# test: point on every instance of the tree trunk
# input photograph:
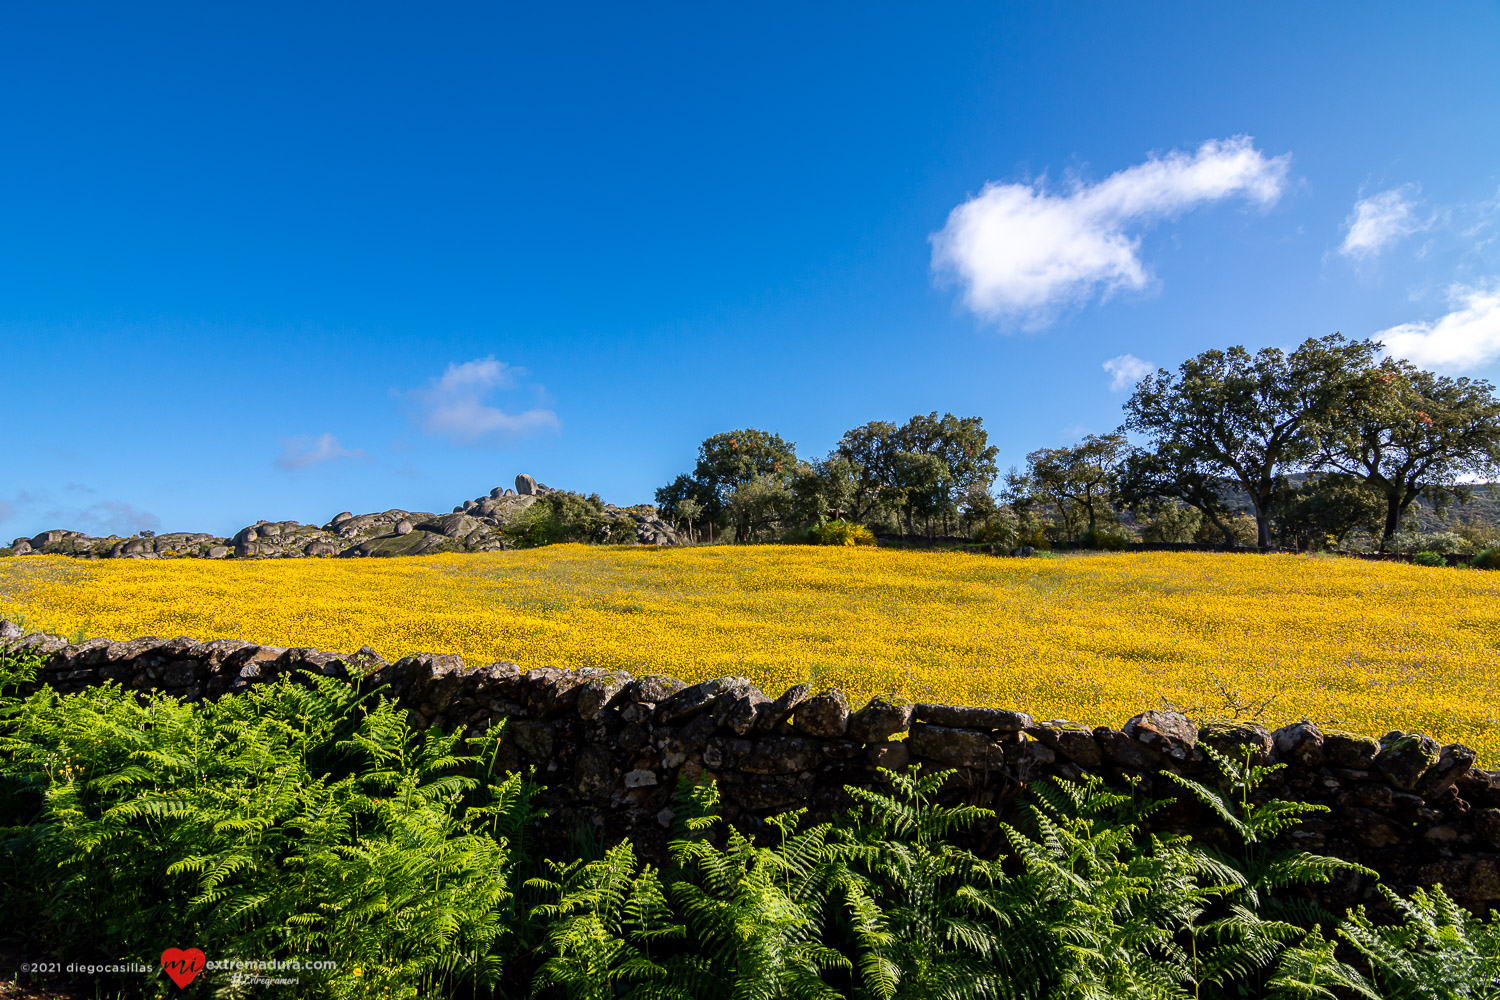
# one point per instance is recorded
(1392, 517)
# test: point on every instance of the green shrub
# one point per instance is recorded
(286, 822)
(998, 532)
(1106, 541)
(841, 533)
(1428, 559)
(1434, 541)
(1037, 539)
(1488, 559)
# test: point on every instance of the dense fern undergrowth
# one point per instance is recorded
(299, 821)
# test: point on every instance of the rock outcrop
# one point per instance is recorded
(473, 526)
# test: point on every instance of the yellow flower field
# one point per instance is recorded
(1367, 647)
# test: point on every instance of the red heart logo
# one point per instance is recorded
(182, 966)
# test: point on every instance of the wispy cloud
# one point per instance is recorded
(1022, 251)
(1381, 220)
(1466, 337)
(1126, 370)
(457, 405)
(105, 517)
(111, 517)
(302, 451)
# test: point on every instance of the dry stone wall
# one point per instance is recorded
(609, 747)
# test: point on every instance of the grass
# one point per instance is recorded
(1362, 646)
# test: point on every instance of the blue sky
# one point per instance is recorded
(266, 261)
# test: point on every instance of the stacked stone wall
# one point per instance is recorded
(609, 748)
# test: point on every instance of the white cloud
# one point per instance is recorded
(1380, 220)
(454, 405)
(1020, 250)
(1126, 371)
(6, 511)
(300, 452)
(1467, 337)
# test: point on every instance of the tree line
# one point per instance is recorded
(1303, 448)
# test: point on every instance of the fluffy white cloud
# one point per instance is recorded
(300, 452)
(455, 404)
(1380, 220)
(1467, 337)
(1019, 250)
(1126, 371)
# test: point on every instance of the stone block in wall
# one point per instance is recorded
(825, 714)
(880, 720)
(1072, 740)
(955, 747)
(1349, 750)
(738, 708)
(213, 653)
(1479, 877)
(778, 755)
(780, 710)
(598, 691)
(127, 652)
(1480, 787)
(726, 753)
(1374, 830)
(651, 689)
(594, 773)
(972, 717)
(1404, 758)
(39, 644)
(1126, 753)
(765, 794)
(532, 737)
(1028, 759)
(1453, 762)
(548, 691)
(1237, 740)
(1300, 744)
(1487, 825)
(314, 661)
(1171, 734)
(696, 698)
(88, 653)
(894, 756)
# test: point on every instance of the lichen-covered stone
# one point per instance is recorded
(955, 747)
(879, 720)
(1300, 743)
(1453, 762)
(1127, 753)
(596, 692)
(1074, 741)
(1349, 750)
(825, 714)
(972, 717)
(1171, 734)
(651, 689)
(780, 755)
(739, 707)
(697, 698)
(1238, 741)
(1404, 758)
(780, 710)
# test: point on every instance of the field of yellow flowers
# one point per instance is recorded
(1366, 647)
